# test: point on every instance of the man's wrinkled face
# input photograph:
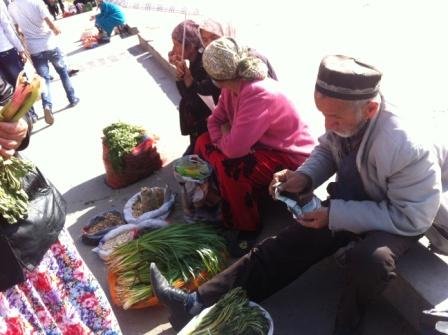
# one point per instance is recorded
(341, 117)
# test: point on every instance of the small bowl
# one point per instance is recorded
(100, 225)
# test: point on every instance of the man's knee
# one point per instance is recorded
(372, 263)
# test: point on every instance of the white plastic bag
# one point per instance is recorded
(160, 213)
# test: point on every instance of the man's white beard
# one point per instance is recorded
(350, 133)
(344, 135)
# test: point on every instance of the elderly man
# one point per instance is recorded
(386, 195)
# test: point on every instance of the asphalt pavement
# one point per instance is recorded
(120, 81)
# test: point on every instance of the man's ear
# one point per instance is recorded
(371, 109)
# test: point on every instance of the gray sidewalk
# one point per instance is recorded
(122, 81)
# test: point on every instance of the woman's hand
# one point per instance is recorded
(11, 136)
(172, 57)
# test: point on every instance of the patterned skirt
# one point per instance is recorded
(60, 297)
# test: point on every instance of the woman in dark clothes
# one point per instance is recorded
(191, 80)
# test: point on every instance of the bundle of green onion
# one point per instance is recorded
(13, 198)
(121, 138)
(232, 314)
(181, 251)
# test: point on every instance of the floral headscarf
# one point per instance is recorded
(221, 29)
(223, 59)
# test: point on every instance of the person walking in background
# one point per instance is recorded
(12, 53)
(52, 8)
(33, 20)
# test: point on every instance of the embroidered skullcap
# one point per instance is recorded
(347, 78)
(191, 33)
(223, 59)
(219, 28)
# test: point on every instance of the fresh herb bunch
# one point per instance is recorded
(233, 314)
(121, 138)
(182, 252)
(13, 199)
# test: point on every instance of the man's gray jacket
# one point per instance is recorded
(401, 174)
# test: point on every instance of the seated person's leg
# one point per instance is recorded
(370, 266)
(241, 180)
(274, 264)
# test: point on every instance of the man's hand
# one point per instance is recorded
(11, 135)
(317, 219)
(292, 182)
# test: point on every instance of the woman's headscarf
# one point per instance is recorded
(223, 59)
(221, 29)
(191, 34)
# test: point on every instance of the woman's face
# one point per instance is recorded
(207, 37)
(189, 51)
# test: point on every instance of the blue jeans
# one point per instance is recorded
(10, 65)
(55, 57)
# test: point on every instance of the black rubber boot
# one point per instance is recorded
(174, 299)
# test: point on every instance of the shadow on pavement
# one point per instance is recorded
(160, 75)
(94, 197)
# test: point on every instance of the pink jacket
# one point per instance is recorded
(260, 116)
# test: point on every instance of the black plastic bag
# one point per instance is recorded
(31, 237)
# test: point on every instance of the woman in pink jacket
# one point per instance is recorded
(254, 131)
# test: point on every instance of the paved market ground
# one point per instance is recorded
(122, 82)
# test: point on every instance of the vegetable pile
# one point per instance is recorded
(13, 199)
(108, 220)
(183, 252)
(233, 314)
(150, 198)
(121, 138)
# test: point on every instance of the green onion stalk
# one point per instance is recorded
(233, 314)
(13, 198)
(181, 251)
